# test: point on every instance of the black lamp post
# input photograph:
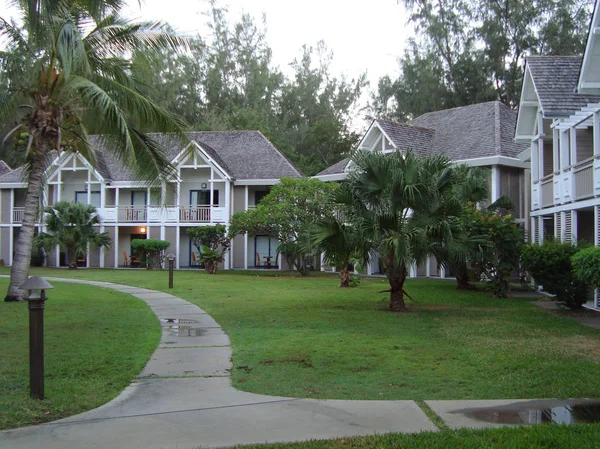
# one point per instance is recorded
(170, 258)
(36, 296)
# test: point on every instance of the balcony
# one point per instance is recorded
(584, 179)
(18, 214)
(166, 214)
(547, 185)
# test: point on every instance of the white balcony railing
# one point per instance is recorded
(195, 214)
(584, 180)
(132, 214)
(547, 192)
(18, 214)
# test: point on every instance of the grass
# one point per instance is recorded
(305, 337)
(532, 437)
(96, 342)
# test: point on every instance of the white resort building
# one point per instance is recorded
(559, 119)
(222, 173)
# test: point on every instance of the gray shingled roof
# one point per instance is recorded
(248, 154)
(467, 132)
(4, 168)
(242, 154)
(338, 167)
(16, 175)
(405, 137)
(478, 130)
(555, 79)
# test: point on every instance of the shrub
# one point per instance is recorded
(212, 242)
(150, 251)
(550, 265)
(586, 266)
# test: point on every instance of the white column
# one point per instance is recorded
(101, 261)
(12, 207)
(412, 272)
(596, 218)
(495, 190)
(88, 186)
(59, 187)
(428, 267)
(212, 193)
(535, 154)
(102, 195)
(573, 145)
(116, 240)
(11, 245)
(227, 201)
(177, 239)
(246, 234)
(596, 131)
(442, 272)
(322, 255)
(56, 255)
(573, 226)
(540, 229)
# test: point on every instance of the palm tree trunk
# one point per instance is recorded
(462, 277)
(345, 277)
(396, 277)
(19, 271)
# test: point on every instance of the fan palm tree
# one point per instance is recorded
(340, 243)
(71, 226)
(404, 205)
(67, 70)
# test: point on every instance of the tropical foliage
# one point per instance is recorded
(586, 266)
(212, 243)
(403, 205)
(66, 71)
(150, 251)
(500, 250)
(289, 212)
(74, 229)
(550, 266)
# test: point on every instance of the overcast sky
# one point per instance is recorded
(365, 35)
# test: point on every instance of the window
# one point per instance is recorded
(138, 198)
(259, 195)
(202, 197)
(81, 198)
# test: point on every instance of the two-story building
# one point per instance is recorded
(479, 135)
(559, 118)
(217, 174)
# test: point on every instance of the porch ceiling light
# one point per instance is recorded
(143, 230)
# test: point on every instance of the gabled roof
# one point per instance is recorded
(468, 132)
(338, 167)
(555, 79)
(405, 136)
(4, 168)
(247, 154)
(16, 175)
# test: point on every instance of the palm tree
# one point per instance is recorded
(340, 243)
(404, 205)
(71, 226)
(67, 70)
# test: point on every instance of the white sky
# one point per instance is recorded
(364, 36)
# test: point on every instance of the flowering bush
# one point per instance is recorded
(499, 257)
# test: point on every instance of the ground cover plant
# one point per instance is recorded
(305, 337)
(96, 342)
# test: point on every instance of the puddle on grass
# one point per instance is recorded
(186, 331)
(539, 412)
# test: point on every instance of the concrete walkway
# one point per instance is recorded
(184, 399)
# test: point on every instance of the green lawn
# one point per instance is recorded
(306, 337)
(533, 437)
(96, 341)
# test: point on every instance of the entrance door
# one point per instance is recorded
(265, 246)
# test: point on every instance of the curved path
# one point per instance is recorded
(183, 398)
